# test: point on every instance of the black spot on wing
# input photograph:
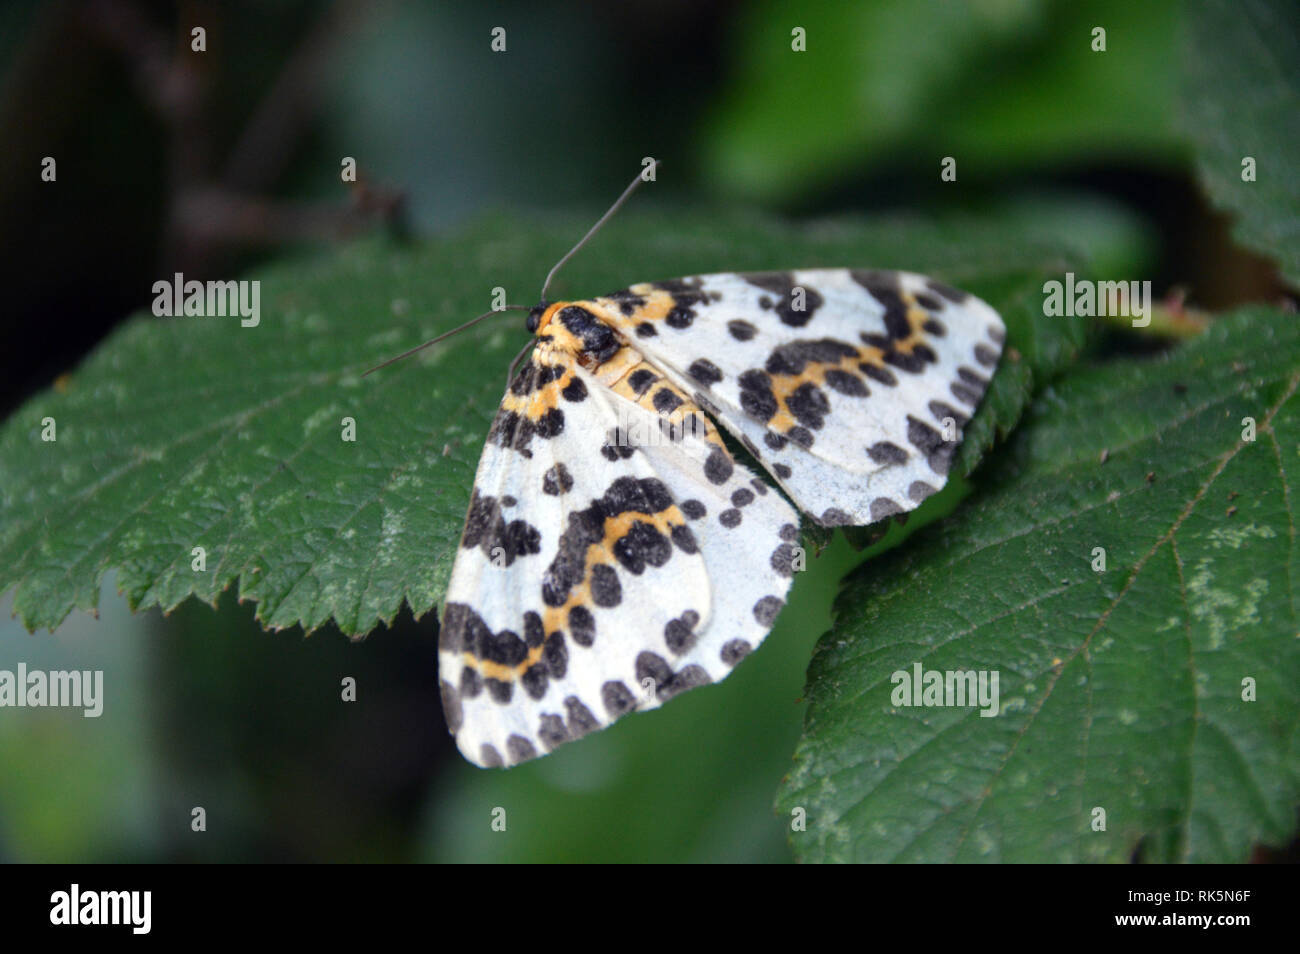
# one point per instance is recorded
(883, 507)
(718, 466)
(938, 452)
(964, 393)
(884, 287)
(941, 411)
(687, 678)
(641, 546)
(887, 453)
(834, 517)
(680, 317)
(556, 655)
(535, 680)
(515, 431)
(693, 509)
(582, 626)
(766, 610)
(878, 374)
(734, 650)
(557, 480)
(534, 633)
(654, 667)
(756, 396)
(534, 376)
(685, 539)
(486, 529)
(580, 719)
(809, 405)
(919, 491)
(606, 590)
(465, 631)
(551, 732)
(741, 330)
(845, 383)
(640, 380)
(782, 559)
(801, 436)
(793, 356)
(704, 371)
(665, 401)
(617, 698)
(679, 633)
(971, 388)
(795, 304)
(575, 390)
(667, 683)
(520, 749)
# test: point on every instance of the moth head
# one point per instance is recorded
(538, 316)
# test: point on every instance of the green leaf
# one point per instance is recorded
(1120, 690)
(1242, 99)
(180, 433)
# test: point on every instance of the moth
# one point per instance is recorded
(615, 553)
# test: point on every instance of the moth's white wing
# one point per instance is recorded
(849, 386)
(582, 590)
(747, 534)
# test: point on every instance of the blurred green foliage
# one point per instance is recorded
(1006, 85)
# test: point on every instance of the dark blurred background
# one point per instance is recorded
(212, 162)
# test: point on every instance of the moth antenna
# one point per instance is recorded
(510, 375)
(640, 177)
(447, 334)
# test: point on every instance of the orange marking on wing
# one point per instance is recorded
(537, 402)
(557, 617)
(679, 414)
(783, 385)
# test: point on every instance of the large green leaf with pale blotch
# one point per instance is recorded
(179, 433)
(1162, 689)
